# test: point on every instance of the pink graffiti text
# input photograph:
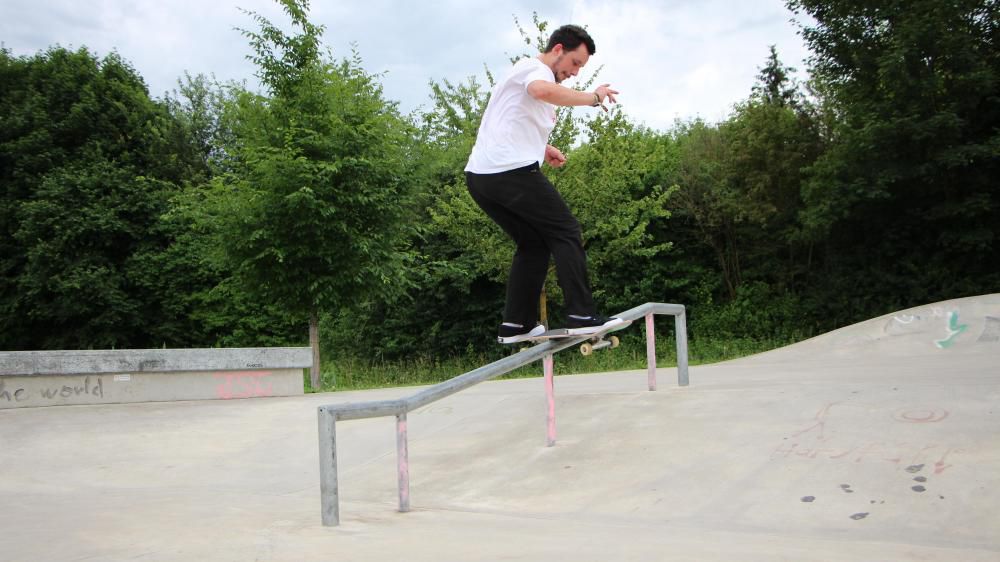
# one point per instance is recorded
(243, 384)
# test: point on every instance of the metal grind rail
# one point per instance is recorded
(330, 414)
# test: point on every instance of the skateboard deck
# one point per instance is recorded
(594, 341)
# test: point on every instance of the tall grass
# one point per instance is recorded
(353, 373)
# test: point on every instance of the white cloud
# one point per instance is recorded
(671, 59)
(686, 59)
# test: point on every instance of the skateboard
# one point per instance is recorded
(595, 341)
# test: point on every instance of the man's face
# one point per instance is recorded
(569, 63)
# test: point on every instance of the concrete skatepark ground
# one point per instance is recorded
(879, 441)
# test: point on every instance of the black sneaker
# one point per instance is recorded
(582, 325)
(513, 333)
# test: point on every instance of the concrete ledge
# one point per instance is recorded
(29, 363)
(58, 378)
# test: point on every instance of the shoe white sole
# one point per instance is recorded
(535, 332)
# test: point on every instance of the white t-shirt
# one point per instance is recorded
(515, 126)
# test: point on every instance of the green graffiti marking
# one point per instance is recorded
(954, 329)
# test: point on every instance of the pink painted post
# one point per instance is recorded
(550, 400)
(651, 351)
(403, 463)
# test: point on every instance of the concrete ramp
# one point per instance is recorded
(966, 326)
(824, 451)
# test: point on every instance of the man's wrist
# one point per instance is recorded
(597, 100)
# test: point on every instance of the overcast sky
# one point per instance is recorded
(671, 59)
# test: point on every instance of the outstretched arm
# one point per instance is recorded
(553, 93)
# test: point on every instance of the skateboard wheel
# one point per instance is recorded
(586, 349)
(614, 341)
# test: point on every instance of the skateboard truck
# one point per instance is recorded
(598, 343)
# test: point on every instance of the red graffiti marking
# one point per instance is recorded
(892, 453)
(920, 415)
(940, 465)
(814, 442)
(820, 425)
(243, 384)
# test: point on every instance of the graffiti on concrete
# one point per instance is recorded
(816, 442)
(82, 386)
(12, 394)
(86, 389)
(243, 384)
(954, 329)
(943, 327)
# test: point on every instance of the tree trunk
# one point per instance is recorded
(722, 255)
(543, 301)
(314, 372)
(544, 316)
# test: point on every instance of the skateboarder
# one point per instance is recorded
(504, 178)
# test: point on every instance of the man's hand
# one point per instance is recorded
(605, 93)
(554, 157)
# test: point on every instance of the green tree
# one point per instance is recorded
(310, 212)
(441, 272)
(904, 199)
(706, 198)
(614, 186)
(739, 196)
(198, 107)
(88, 163)
(773, 137)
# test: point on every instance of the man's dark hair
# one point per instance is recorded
(570, 37)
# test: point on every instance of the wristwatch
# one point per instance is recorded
(597, 100)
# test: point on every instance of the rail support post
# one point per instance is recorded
(550, 401)
(403, 463)
(329, 494)
(680, 333)
(651, 351)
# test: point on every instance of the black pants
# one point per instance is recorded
(530, 210)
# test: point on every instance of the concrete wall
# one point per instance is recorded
(57, 378)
